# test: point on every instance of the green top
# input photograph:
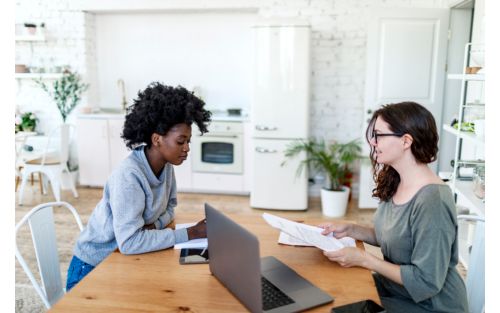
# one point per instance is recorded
(421, 237)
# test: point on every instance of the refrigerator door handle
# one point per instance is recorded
(264, 150)
(266, 128)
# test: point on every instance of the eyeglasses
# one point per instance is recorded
(376, 135)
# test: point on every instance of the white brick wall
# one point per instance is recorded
(338, 53)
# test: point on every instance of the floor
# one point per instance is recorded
(66, 230)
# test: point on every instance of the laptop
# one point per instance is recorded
(262, 285)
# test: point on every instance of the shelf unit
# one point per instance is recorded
(40, 37)
(469, 136)
(467, 77)
(37, 75)
(464, 189)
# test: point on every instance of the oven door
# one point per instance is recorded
(217, 154)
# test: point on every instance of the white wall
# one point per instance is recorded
(209, 50)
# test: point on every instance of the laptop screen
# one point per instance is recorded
(234, 258)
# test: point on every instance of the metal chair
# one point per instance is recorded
(475, 272)
(51, 165)
(41, 222)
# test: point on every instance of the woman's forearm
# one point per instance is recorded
(365, 234)
(384, 268)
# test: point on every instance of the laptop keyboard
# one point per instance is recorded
(272, 297)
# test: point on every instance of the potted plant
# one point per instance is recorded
(26, 122)
(66, 92)
(335, 161)
(31, 28)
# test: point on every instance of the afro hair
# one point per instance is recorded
(157, 109)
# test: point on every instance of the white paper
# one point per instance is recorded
(307, 234)
(199, 243)
(286, 239)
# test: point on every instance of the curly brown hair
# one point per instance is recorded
(404, 118)
(158, 108)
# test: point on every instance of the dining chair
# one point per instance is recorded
(52, 165)
(41, 223)
(21, 139)
(475, 272)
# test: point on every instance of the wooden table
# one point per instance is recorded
(156, 282)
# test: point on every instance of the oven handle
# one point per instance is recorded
(264, 150)
(266, 128)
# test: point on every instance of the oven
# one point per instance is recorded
(220, 150)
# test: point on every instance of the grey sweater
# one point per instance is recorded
(421, 237)
(133, 197)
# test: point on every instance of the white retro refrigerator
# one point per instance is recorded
(279, 113)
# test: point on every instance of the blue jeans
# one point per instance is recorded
(77, 271)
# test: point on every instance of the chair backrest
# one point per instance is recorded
(475, 272)
(62, 134)
(41, 222)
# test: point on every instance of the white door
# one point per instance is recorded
(274, 186)
(281, 82)
(406, 56)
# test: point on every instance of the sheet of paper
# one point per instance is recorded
(286, 239)
(195, 243)
(307, 233)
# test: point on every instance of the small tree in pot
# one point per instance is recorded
(335, 161)
(66, 91)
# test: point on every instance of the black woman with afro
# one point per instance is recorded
(140, 195)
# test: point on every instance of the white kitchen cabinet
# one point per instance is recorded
(99, 146)
(183, 175)
(218, 183)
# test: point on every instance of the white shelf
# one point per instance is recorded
(468, 199)
(30, 38)
(477, 77)
(37, 75)
(464, 135)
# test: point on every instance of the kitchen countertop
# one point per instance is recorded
(117, 114)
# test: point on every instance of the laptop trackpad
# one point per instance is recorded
(282, 276)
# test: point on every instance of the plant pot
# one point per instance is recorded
(31, 30)
(334, 203)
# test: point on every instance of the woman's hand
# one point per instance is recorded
(348, 257)
(198, 231)
(149, 226)
(339, 230)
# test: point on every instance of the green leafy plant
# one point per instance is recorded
(26, 122)
(334, 159)
(66, 92)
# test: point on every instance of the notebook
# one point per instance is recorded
(260, 284)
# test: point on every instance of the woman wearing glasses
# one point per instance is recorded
(415, 224)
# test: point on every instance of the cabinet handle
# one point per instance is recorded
(264, 150)
(265, 128)
(220, 136)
